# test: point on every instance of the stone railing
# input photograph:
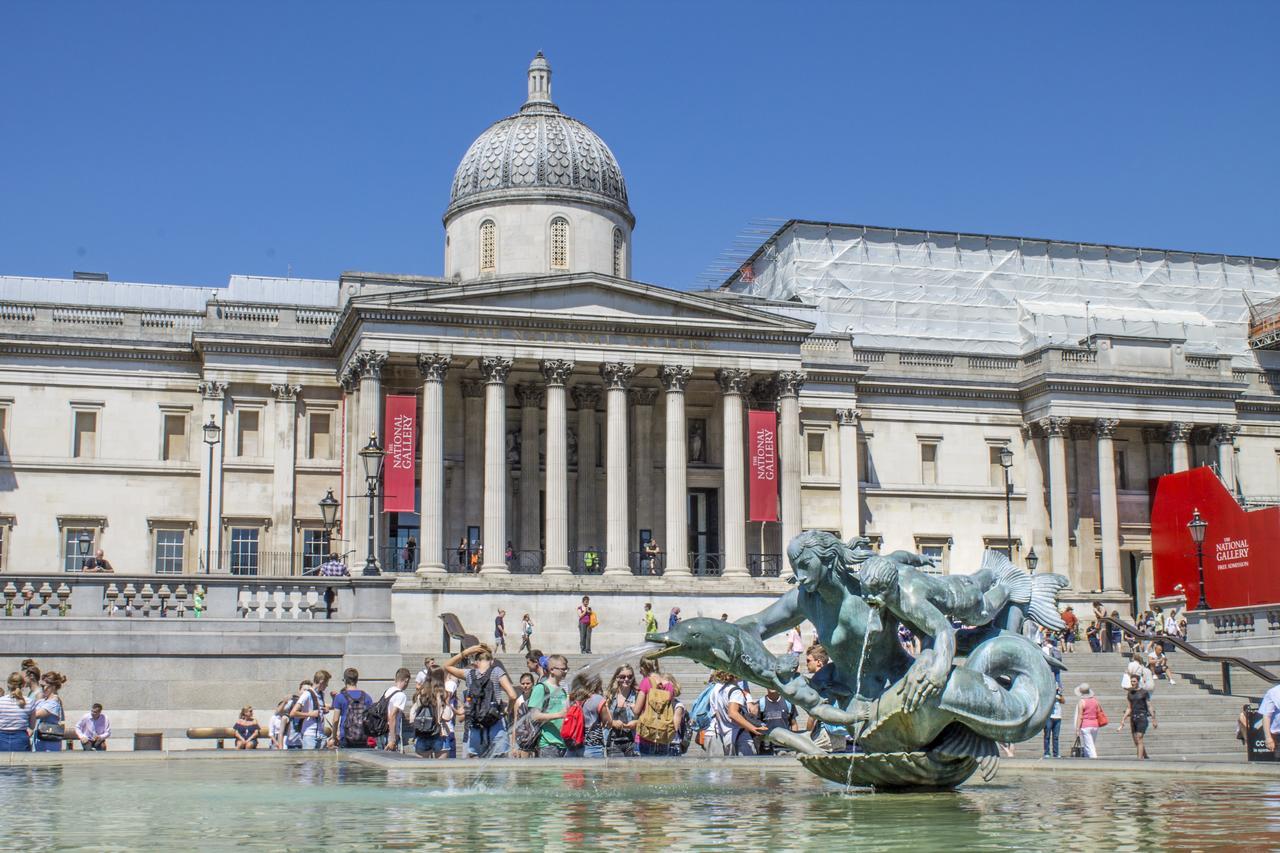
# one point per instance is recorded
(210, 597)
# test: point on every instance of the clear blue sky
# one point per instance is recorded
(182, 142)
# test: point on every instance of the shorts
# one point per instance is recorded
(1139, 725)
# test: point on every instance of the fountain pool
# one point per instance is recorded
(333, 802)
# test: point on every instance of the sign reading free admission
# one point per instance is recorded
(1241, 549)
(762, 452)
(401, 443)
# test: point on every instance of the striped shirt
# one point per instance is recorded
(13, 717)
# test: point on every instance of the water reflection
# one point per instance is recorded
(220, 804)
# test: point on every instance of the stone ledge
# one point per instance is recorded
(590, 584)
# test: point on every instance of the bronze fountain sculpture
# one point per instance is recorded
(918, 723)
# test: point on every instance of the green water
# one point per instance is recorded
(338, 805)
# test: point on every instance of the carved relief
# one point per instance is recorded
(643, 396)
(1055, 425)
(789, 382)
(369, 363)
(1180, 430)
(472, 388)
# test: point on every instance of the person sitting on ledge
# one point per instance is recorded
(97, 563)
(334, 568)
(246, 729)
(93, 729)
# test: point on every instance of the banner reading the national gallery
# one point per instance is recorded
(762, 450)
(401, 440)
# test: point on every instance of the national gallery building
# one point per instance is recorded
(546, 416)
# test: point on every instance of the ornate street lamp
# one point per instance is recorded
(1197, 527)
(329, 517)
(1032, 560)
(83, 543)
(372, 456)
(1006, 462)
(212, 435)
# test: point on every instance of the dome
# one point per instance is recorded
(538, 153)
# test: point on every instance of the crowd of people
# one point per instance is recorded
(32, 717)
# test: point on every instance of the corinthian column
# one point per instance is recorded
(283, 469)
(472, 453)
(617, 377)
(369, 366)
(732, 383)
(642, 400)
(1108, 513)
(674, 378)
(431, 551)
(789, 383)
(1224, 437)
(1179, 432)
(587, 398)
(1035, 491)
(850, 524)
(1055, 430)
(495, 370)
(530, 398)
(556, 373)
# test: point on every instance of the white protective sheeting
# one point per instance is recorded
(1005, 295)
(169, 297)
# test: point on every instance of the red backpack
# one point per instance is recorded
(574, 728)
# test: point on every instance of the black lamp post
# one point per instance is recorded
(1006, 462)
(329, 515)
(1032, 560)
(212, 435)
(1197, 527)
(372, 455)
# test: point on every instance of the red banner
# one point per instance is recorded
(1239, 547)
(400, 441)
(762, 448)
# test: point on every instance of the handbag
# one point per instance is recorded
(1077, 751)
(1103, 721)
(49, 731)
(595, 620)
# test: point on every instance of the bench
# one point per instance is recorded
(453, 630)
(221, 733)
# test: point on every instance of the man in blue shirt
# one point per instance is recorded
(1270, 711)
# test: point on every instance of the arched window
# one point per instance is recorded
(619, 263)
(559, 243)
(488, 246)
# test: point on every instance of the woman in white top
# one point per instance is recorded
(795, 641)
(15, 736)
(732, 731)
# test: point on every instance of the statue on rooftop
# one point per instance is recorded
(925, 722)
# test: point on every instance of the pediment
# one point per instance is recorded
(595, 300)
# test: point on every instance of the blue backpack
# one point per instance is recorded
(700, 713)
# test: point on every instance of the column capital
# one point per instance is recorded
(212, 390)
(349, 378)
(1180, 430)
(286, 393)
(472, 388)
(732, 380)
(369, 364)
(1225, 433)
(586, 396)
(433, 366)
(1030, 431)
(530, 395)
(1105, 427)
(495, 369)
(847, 417)
(556, 371)
(675, 377)
(1054, 425)
(617, 375)
(789, 382)
(643, 396)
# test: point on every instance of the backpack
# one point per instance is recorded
(656, 723)
(296, 723)
(376, 719)
(483, 709)
(353, 725)
(574, 728)
(425, 722)
(528, 731)
(700, 713)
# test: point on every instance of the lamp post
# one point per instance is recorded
(1197, 527)
(372, 456)
(329, 516)
(1006, 462)
(1032, 560)
(212, 435)
(83, 543)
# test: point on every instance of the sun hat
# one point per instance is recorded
(1083, 690)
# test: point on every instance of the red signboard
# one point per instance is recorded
(762, 448)
(1241, 548)
(400, 431)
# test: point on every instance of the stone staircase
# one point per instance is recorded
(1197, 720)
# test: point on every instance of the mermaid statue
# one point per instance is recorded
(925, 722)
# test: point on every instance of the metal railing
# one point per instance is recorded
(764, 565)
(1227, 661)
(706, 564)
(458, 560)
(644, 563)
(395, 559)
(588, 562)
(524, 562)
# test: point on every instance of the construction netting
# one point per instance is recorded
(1006, 295)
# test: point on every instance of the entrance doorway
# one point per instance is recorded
(704, 531)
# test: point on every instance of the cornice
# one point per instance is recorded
(116, 350)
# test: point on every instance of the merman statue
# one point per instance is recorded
(928, 722)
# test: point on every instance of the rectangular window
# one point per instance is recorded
(866, 464)
(1122, 469)
(71, 558)
(170, 551)
(244, 550)
(4, 430)
(174, 441)
(817, 455)
(85, 443)
(315, 549)
(247, 421)
(319, 436)
(995, 469)
(936, 553)
(928, 463)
